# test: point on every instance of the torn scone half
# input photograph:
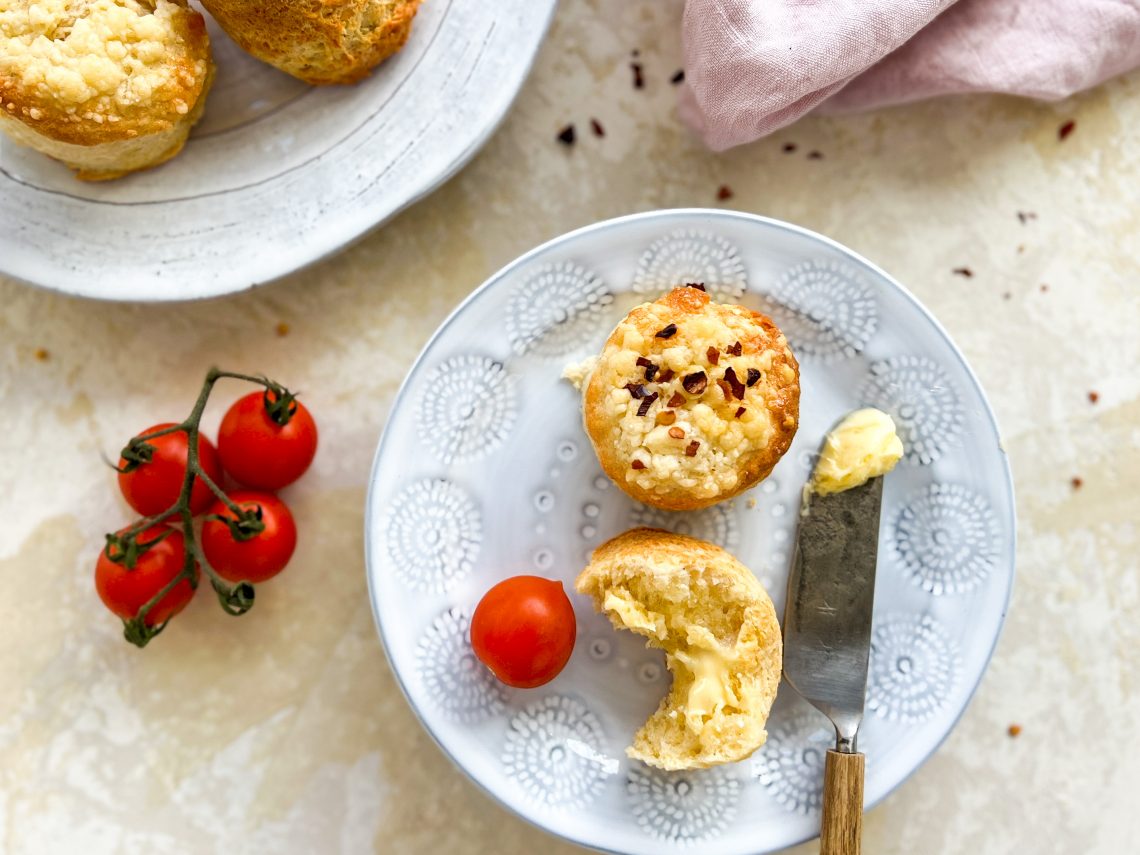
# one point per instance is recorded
(721, 638)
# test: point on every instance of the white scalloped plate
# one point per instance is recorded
(484, 472)
(277, 174)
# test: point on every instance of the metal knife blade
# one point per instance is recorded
(831, 593)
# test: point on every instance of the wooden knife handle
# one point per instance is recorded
(841, 831)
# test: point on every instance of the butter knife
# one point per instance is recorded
(827, 640)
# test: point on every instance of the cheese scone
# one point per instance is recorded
(106, 86)
(691, 402)
(318, 41)
(720, 635)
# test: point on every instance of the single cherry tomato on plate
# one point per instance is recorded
(153, 482)
(267, 441)
(523, 630)
(125, 590)
(269, 533)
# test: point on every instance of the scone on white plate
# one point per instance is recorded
(722, 643)
(318, 41)
(106, 86)
(691, 402)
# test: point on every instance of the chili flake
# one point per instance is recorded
(636, 390)
(638, 77)
(566, 135)
(734, 381)
(636, 464)
(646, 403)
(650, 368)
(1094, 397)
(677, 400)
(696, 383)
(678, 77)
(963, 271)
(713, 354)
(741, 411)
(665, 376)
(1066, 129)
(596, 126)
(668, 332)
(736, 349)
(691, 448)
(754, 376)
(700, 286)
(724, 192)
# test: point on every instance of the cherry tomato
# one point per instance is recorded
(152, 487)
(261, 557)
(125, 590)
(261, 453)
(523, 630)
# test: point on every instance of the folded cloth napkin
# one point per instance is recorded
(754, 66)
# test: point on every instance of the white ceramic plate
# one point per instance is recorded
(484, 472)
(277, 174)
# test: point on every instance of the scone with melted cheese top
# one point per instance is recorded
(691, 402)
(106, 86)
(720, 635)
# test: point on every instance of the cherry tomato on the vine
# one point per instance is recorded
(260, 557)
(125, 590)
(153, 486)
(258, 451)
(523, 630)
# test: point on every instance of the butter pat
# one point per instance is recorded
(861, 447)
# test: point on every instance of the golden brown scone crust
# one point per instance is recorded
(718, 628)
(740, 431)
(318, 41)
(106, 86)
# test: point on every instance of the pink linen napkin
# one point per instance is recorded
(754, 66)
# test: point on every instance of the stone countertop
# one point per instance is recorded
(285, 732)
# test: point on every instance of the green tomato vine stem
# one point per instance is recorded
(124, 548)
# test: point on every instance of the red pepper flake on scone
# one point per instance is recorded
(691, 402)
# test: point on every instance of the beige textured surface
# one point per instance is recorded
(284, 731)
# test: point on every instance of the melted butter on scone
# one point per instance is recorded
(711, 691)
(863, 446)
